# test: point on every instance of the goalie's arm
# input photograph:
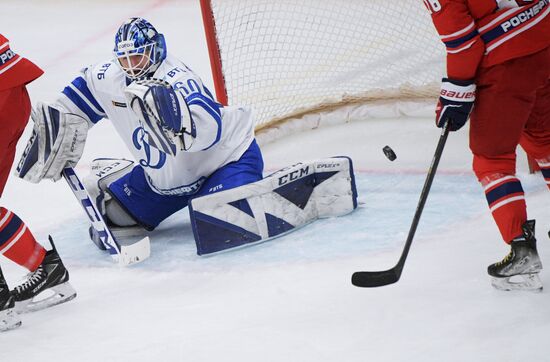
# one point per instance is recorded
(78, 98)
(209, 128)
(175, 120)
(60, 130)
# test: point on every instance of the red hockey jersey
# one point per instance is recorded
(479, 33)
(14, 69)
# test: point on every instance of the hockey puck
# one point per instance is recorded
(389, 153)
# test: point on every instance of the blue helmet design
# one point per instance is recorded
(139, 47)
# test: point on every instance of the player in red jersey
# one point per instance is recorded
(16, 241)
(498, 74)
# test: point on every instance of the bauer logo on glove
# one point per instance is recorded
(163, 113)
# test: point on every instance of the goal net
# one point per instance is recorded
(286, 59)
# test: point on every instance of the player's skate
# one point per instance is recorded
(47, 286)
(8, 318)
(519, 270)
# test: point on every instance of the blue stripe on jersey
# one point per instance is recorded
(458, 42)
(209, 106)
(10, 229)
(81, 103)
(503, 190)
(82, 86)
(492, 34)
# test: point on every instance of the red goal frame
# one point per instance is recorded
(214, 51)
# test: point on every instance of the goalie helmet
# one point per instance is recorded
(139, 48)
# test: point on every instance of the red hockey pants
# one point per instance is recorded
(512, 107)
(15, 108)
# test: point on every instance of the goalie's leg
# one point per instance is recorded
(47, 286)
(520, 268)
(105, 171)
(148, 208)
(248, 169)
(281, 202)
(134, 194)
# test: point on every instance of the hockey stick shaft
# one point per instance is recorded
(380, 278)
(125, 255)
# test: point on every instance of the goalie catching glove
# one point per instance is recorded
(57, 141)
(163, 113)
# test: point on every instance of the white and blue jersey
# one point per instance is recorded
(223, 134)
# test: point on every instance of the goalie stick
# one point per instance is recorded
(370, 279)
(123, 254)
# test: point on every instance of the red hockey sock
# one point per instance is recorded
(17, 242)
(507, 203)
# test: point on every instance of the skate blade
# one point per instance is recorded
(527, 282)
(48, 298)
(9, 320)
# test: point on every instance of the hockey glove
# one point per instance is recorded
(163, 113)
(57, 141)
(456, 101)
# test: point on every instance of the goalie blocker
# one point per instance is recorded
(281, 202)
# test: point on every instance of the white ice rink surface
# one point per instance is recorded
(289, 299)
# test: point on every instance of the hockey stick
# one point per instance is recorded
(123, 254)
(370, 279)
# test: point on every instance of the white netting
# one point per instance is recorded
(285, 58)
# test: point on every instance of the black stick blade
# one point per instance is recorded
(375, 279)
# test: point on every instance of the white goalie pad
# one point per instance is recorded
(123, 254)
(57, 141)
(103, 172)
(281, 202)
(163, 113)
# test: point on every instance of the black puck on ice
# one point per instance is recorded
(389, 153)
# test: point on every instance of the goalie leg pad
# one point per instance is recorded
(57, 141)
(281, 202)
(105, 171)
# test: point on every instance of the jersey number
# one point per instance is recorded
(433, 5)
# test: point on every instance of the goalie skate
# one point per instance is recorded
(520, 268)
(8, 317)
(47, 286)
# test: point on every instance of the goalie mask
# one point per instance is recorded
(139, 48)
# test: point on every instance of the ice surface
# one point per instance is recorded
(289, 299)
